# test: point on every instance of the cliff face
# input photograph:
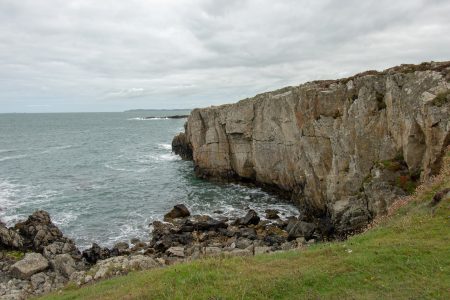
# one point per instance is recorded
(343, 149)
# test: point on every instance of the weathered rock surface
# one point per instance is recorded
(31, 264)
(9, 238)
(178, 211)
(343, 149)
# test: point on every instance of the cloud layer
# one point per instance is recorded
(113, 55)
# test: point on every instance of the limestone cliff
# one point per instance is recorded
(343, 149)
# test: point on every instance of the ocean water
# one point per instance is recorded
(104, 177)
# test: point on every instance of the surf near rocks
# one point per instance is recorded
(36, 257)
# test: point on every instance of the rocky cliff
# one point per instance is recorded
(341, 149)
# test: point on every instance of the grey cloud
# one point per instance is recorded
(115, 55)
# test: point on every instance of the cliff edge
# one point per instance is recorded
(342, 150)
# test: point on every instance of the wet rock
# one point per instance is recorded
(134, 241)
(250, 218)
(205, 223)
(120, 248)
(297, 229)
(95, 253)
(178, 211)
(181, 147)
(272, 214)
(31, 264)
(139, 246)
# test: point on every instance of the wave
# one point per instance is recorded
(165, 146)
(12, 157)
(123, 169)
(7, 150)
(147, 119)
(54, 148)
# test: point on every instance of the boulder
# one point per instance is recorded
(178, 211)
(251, 218)
(38, 231)
(272, 214)
(120, 248)
(64, 264)
(298, 229)
(10, 238)
(64, 246)
(31, 264)
(95, 253)
(176, 251)
(204, 223)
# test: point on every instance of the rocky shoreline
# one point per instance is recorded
(36, 258)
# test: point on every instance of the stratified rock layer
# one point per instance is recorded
(342, 149)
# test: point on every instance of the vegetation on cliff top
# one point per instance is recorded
(404, 256)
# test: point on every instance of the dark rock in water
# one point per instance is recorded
(181, 147)
(170, 117)
(272, 214)
(297, 229)
(250, 218)
(10, 239)
(95, 253)
(178, 211)
(204, 223)
(135, 241)
(120, 248)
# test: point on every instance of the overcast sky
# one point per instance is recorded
(113, 55)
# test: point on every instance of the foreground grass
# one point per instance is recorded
(407, 256)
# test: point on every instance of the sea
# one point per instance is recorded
(104, 177)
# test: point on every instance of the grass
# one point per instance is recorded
(13, 255)
(405, 256)
(441, 99)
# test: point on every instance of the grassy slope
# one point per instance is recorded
(406, 256)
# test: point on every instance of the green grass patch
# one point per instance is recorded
(405, 257)
(14, 255)
(441, 99)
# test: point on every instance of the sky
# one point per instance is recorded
(114, 55)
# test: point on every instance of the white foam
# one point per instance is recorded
(165, 146)
(64, 218)
(165, 157)
(147, 119)
(124, 170)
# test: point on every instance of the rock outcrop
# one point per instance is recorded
(343, 150)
